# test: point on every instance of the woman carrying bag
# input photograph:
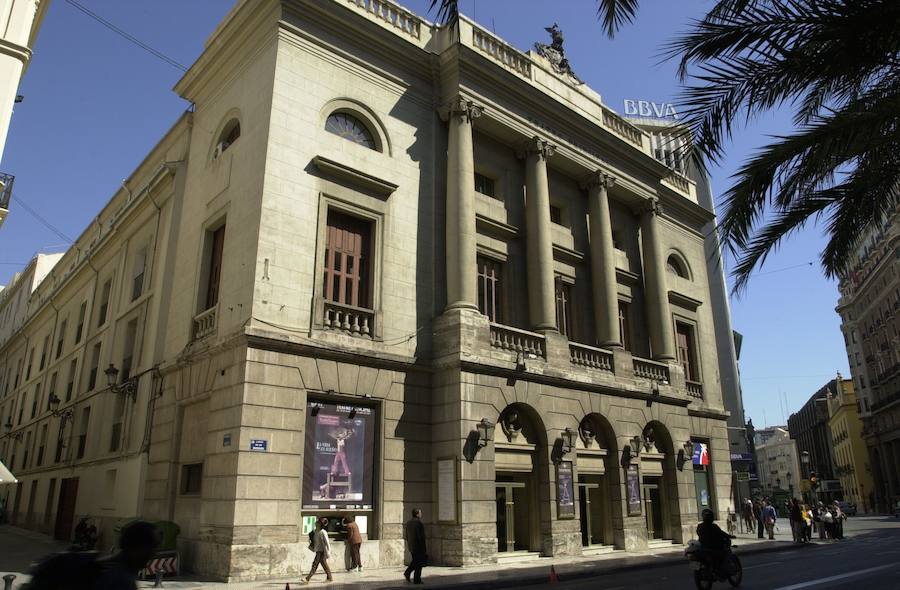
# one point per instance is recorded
(318, 542)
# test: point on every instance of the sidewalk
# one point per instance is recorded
(491, 576)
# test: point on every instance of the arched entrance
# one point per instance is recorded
(598, 482)
(518, 453)
(659, 489)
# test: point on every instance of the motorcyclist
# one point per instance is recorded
(713, 540)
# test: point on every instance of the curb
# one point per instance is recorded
(533, 578)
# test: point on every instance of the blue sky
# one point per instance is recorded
(95, 104)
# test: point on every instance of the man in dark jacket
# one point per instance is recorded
(415, 541)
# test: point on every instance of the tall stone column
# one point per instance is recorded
(539, 242)
(659, 317)
(603, 262)
(461, 262)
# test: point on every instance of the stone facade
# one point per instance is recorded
(869, 307)
(560, 425)
(851, 459)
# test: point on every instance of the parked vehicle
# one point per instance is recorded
(705, 575)
(848, 508)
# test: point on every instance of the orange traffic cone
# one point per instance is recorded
(553, 577)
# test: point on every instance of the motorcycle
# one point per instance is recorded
(705, 575)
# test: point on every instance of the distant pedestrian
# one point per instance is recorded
(796, 519)
(769, 517)
(415, 541)
(820, 524)
(758, 514)
(828, 522)
(806, 515)
(320, 544)
(354, 541)
(747, 514)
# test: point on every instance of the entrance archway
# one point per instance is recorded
(518, 454)
(658, 483)
(598, 482)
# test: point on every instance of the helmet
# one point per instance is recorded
(707, 515)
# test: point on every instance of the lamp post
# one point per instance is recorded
(17, 436)
(63, 415)
(127, 387)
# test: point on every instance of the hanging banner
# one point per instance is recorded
(701, 454)
(633, 489)
(565, 490)
(339, 457)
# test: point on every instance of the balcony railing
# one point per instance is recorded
(6, 187)
(392, 14)
(588, 356)
(516, 340)
(652, 370)
(205, 323)
(356, 321)
(506, 54)
(622, 128)
(694, 389)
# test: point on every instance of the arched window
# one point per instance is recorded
(351, 128)
(230, 134)
(677, 267)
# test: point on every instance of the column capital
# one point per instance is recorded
(598, 179)
(652, 206)
(461, 107)
(540, 147)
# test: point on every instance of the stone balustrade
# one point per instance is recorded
(588, 356)
(694, 389)
(681, 184)
(392, 14)
(647, 369)
(516, 340)
(501, 52)
(356, 321)
(205, 323)
(622, 128)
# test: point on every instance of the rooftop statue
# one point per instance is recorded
(555, 53)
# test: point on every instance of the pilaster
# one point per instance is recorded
(539, 247)
(662, 336)
(603, 261)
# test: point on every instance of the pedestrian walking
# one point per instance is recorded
(839, 517)
(354, 541)
(769, 517)
(796, 519)
(806, 514)
(415, 541)
(828, 522)
(758, 516)
(747, 513)
(320, 544)
(820, 524)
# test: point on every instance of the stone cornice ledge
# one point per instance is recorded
(23, 54)
(354, 176)
(709, 413)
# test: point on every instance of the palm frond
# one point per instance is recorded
(447, 10)
(616, 13)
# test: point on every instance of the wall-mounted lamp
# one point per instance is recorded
(485, 432)
(13, 435)
(64, 415)
(635, 443)
(568, 440)
(689, 448)
(127, 387)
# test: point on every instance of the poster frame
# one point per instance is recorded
(454, 461)
(633, 474)
(565, 511)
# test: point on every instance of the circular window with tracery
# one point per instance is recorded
(350, 128)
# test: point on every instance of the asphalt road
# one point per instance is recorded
(867, 559)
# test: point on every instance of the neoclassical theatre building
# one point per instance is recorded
(406, 265)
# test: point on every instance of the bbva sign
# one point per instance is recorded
(646, 108)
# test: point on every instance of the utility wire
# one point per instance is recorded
(128, 36)
(43, 221)
(759, 274)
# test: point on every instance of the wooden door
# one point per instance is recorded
(65, 509)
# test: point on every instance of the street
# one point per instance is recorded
(868, 557)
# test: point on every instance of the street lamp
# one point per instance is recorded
(13, 435)
(568, 440)
(64, 415)
(127, 387)
(485, 432)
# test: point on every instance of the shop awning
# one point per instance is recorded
(6, 475)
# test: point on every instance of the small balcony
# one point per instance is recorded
(205, 323)
(647, 369)
(590, 357)
(694, 389)
(355, 321)
(518, 341)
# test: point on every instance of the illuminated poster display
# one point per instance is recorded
(339, 455)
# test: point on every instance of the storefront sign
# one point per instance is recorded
(741, 457)
(633, 487)
(446, 470)
(339, 458)
(701, 454)
(647, 108)
(259, 444)
(565, 498)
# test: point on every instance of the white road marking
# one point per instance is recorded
(750, 567)
(835, 578)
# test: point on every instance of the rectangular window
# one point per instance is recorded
(95, 365)
(27, 447)
(137, 281)
(490, 288)
(684, 336)
(217, 244)
(82, 433)
(21, 408)
(30, 362)
(564, 308)
(44, 352)
(42, 444)
(36, 401)
(118, 412)
(484, 185)
(625, 325)
(555, 215)
(80, 330)
(191, 478)
(62, 338)
(347, 260)
(128, 351)
(104, 302)
(51, 390)
(70, 386)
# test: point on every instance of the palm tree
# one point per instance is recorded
(836, 64)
